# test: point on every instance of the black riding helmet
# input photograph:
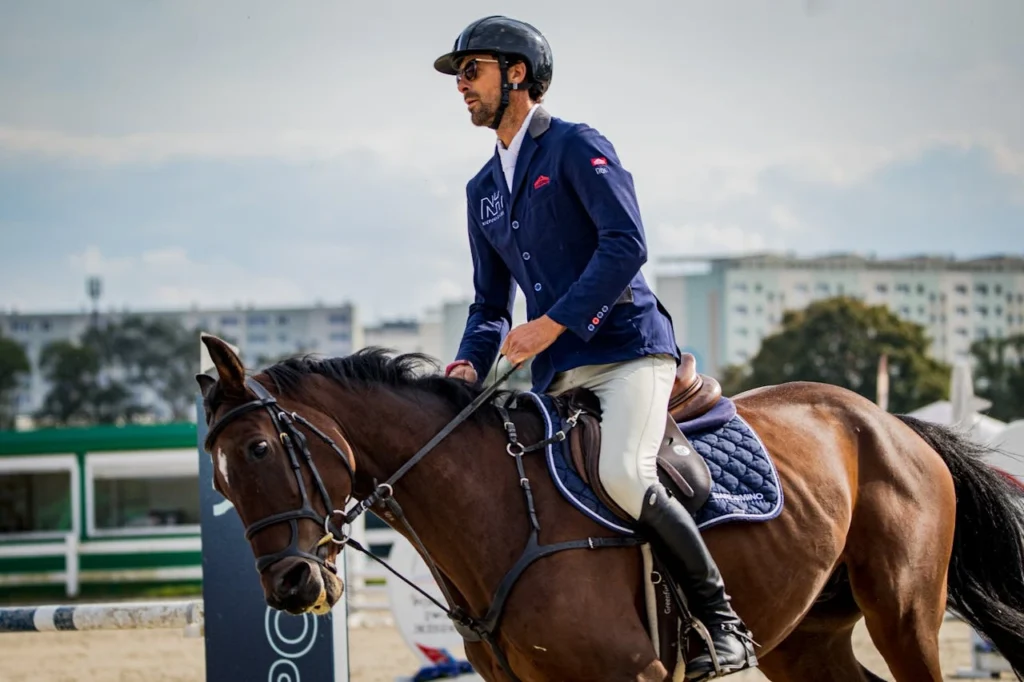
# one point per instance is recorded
(509, 40)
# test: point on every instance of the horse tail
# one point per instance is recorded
(986, 570)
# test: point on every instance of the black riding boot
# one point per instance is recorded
(678, 542)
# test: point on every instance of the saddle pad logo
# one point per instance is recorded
(491, 208)
(541, 181)
(599, 161)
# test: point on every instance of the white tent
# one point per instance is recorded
(962, 412)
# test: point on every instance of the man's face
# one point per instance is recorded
(479, 82)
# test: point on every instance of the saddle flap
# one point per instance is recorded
(680, 469)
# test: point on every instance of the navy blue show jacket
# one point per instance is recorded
(570, 235)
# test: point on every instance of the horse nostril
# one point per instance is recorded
(292, 579)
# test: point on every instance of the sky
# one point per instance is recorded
(269, 153)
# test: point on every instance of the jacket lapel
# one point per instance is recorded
(539, 125)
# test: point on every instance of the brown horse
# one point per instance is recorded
(886, 518)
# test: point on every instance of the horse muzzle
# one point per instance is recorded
(298, 586)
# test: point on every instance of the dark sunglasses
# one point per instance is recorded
(469, 70)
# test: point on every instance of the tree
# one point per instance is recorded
(14, 366)
(999, 375)
(79, 392)
(155, 355)
(839, 341)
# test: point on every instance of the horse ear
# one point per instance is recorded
(206, 383)
(229, 367)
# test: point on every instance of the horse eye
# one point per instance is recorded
(259, 450)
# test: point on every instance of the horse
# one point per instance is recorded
(886, 518)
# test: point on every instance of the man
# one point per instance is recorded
(555, 212)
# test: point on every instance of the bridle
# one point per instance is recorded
(294, 443)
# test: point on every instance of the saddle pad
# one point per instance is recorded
(745, 484)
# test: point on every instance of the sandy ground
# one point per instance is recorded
(378, 654)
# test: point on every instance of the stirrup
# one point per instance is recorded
(749, 660)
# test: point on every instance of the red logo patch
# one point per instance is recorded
(599, 161)
(541, 181)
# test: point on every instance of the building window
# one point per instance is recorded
(981, 288)
(741, 309)
(882, 288)
(903, 288)
(142, 493)
(961, 289)
(961, 310)
(982, 310)
(338, 318)
(258, 320)
(340, 336)
(228, 321)
(21, 326)
(36, 502)
(282, 320)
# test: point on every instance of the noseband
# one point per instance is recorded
(294, 443)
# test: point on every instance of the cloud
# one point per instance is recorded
(264, 151)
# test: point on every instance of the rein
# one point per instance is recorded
(472, 629)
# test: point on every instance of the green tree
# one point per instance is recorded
(80, 392)
(999, 375)
(839, 341)
(158, 354)
(14, 366)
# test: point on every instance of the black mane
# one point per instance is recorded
(377, 366)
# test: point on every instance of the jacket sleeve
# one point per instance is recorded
(606, 192)
(490, 314)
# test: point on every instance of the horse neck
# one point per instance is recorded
(463, 498)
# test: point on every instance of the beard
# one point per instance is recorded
(484, 113)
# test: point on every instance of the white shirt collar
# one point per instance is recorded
(509, 156)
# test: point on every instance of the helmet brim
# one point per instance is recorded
(446, 63)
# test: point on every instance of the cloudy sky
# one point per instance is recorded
(221, 153)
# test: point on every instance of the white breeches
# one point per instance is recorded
(634, 399)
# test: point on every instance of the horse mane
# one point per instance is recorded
(376, 366)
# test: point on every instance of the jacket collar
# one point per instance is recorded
(539, 124)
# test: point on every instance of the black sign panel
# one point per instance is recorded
(245, 638)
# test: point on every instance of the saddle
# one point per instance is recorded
(680, 469)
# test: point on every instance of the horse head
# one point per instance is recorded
(287, 479)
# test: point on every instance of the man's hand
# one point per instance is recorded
(527, 340)
(464, 372)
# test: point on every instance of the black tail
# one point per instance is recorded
(986, 571)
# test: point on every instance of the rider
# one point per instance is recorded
(555, 212)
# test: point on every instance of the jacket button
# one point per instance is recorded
(526, 255)
(515, 224)
(537, 286)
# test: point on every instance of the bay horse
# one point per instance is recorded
(886, 518)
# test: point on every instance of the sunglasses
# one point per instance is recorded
(469, 70)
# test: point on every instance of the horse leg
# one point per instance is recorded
(898, 550)
(807, 655)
